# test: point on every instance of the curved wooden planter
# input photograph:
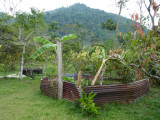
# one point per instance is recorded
(126, 93)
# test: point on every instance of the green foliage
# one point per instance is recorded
(77, 29)
(87, 103)
(89, 60)
(68, 37)
(5, 18)
(109, 25)
(52, 30)
(120, 70)
(109, 45)
(97, 54)
(84, 82)
(48, 44)
(53, 26)
(142, 54)
(68, 46)
(42, 40)
(29, 21)
(42, 49)
(8, 49)
(79, 60)
(71, 45)
(68, 79)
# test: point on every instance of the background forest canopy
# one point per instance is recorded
(96, 32)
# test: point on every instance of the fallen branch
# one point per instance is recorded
(150, 75)
(114, 56)
(99, 71)
(147, 73)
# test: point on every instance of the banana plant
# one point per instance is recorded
(47, 44)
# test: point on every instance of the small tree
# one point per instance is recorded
(153, 6)
(8, 47)
(26, 25)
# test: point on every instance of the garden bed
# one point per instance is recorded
(126, 93)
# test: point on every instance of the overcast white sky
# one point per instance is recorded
(106, 5)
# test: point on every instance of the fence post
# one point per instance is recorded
(60, 81)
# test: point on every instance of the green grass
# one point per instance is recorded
(23, 100)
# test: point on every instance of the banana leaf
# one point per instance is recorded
(42, 40)
(68, 37)
(42, 49)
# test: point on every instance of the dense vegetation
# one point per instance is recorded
(94, 42)
(88, 50)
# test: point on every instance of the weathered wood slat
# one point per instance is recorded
(49, 88)
(106, 93)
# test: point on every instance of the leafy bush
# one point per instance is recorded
(84, 82)
(87, 103)
(68, 79)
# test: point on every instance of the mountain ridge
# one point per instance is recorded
(90, 18)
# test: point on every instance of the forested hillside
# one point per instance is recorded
(89, 18)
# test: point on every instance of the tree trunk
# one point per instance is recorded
(5, 72)
(22, 62)
(46, 67)
(60, 81)
(115, 39)
(149, 11)
(23, 41)
(46, 61)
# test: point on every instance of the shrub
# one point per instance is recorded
(87, 103)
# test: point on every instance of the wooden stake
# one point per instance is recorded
(60, 81)
(79, 80)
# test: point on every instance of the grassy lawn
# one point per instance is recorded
(23, 100)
